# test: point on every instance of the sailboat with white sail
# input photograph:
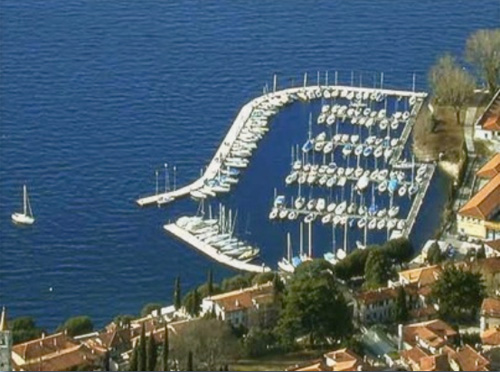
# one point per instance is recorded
(26, 217)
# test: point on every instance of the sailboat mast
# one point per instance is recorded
(301, 239)
(25, 200)
(289, 247)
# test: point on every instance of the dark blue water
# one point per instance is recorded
(94, 96)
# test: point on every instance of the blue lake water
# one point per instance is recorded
(94, 96)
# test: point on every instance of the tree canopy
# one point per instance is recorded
(483, 52)
(77, 325)
(459, 293)
(24, 329)
(401, 308)
(378, 269)
(451, 85)
(149, 308)
(434, 254)
(314, 307)
(211, 342)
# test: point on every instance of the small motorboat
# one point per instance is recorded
(327, 218)
(331, 207)
(382, 187)
(372, 224)
(362, 223)
(311, 204)
(274, 214)
(320, 205)
(380, 224)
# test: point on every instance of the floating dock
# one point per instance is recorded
(212, 252)
(240, 121)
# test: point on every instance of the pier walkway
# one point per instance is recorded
(417, 203)
(213, 253)
(238, 124)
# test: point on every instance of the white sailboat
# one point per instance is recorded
(25, 218)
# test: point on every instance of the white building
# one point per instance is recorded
(487, 127)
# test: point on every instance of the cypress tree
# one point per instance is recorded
(177, 293)
(151, 354)
(133, 360)
(141, 353)
(196, 302)
(401, 309)
(190, 361)
(165, 351)
(210, 282)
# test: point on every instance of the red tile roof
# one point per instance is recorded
(491, 307)
(485, 202)
(491, 337)
(470, 360)
(39, 348)
(377, 295)
(491, 168)
(244, 298)
(434, 333)
(421, 276)
(490, 119)
(494, 244)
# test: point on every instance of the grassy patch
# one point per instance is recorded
(438, 134)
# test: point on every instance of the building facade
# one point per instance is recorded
(5, 343)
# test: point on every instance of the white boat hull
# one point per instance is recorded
(22, 219)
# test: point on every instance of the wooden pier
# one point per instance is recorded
(417, 203)
(238, 124)
(212, 252)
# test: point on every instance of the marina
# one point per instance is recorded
(352, 173)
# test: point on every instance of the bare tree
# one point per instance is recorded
(211, 342)
(483, 51)
(451, 85)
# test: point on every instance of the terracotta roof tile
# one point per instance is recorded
(433, 332)
(484, 202)
(435, 363)
(470, 360)
(41, 347)
(491, 168)
(374, 296)
(490, 120)
(421, 276)
(413, 355)
(491, 336)
(491, 307)
(493, 244)
(244, 298)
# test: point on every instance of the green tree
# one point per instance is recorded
(164, 355)
(434, 254)
(141, 353)
(458, 293)
(77, 325)
(481, 252)
(451, 85)
(190, 361)
(211, 340)
(192, 302)
(237, 282)
(134, 359)
(149, 308)
(151, 354)
(483, 51)
(313, 306)
(210, 282)
(258, 342)
(400, 250)
(24, 329)
(123, 319)
(401, 306)
(263, 278)
(377, 269)
(177, 293)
